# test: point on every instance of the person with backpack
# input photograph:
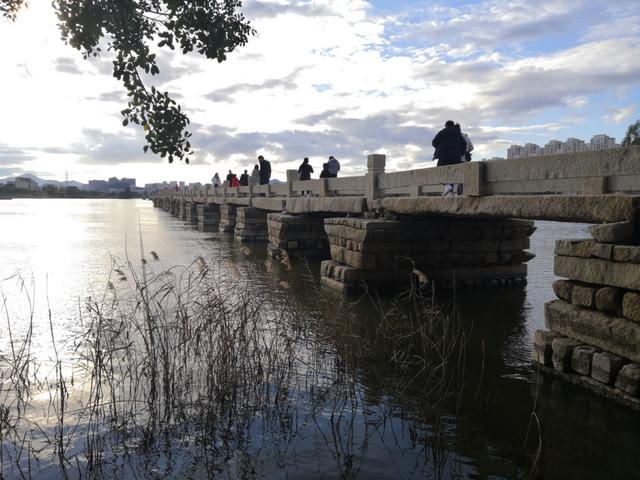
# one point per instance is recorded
(450, 147)
(265, 170)
(333, 166)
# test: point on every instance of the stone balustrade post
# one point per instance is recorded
(292, 176)
(206, 193)
(375, 165)
(473, 179)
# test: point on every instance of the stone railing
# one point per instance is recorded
(584, 173)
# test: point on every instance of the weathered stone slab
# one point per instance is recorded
(628, 379)
(569, 208)
(326, 204)
(602, 330)
(562, 289)
(602, 272)
(476, 273)
(583, 248)
(562, 352)
(542, 347)
(609, 299)
(626, 253)
(631, 306)
(618, 232)
(581, 359)
(583, 295)
(605, 367)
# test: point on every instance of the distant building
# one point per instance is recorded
(26, 183)
(514, 151)
(531, 150)
(555, 147)
(574, 145)
(113, 185)
(602, 142)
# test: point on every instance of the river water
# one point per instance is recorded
(55, 253)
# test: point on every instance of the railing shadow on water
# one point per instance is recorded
(183, 372)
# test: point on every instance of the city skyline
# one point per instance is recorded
(360, 77)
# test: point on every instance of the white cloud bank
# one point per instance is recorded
(332, 77)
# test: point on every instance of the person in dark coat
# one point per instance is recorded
(265, 170)
(229, 176)
(450, 147)
(305, 170)
(325, 171)
(244, 179)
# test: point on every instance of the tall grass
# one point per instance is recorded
(186, 373)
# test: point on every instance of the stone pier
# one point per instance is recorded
(251, 225)
(447, 251)
(191, 213)
(227, 218)
(208, 217)
(594, 325)
(302, 235)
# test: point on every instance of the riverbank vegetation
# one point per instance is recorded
(183, 374)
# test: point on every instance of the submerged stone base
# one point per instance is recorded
(251, 225)
(445, 251)
(302, 235)
(208, 217)
(191, 213)
(227, 218)
(594, 337)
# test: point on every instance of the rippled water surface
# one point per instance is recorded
(55, 253)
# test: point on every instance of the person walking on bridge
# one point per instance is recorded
(254, 179)
(216, 180)
(450, 147)
(265, 170)
(244, 179)
(305, 170)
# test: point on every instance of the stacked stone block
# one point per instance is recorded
(227, 218)
(447, 251)
(251, 225)
(191, 213)
(208, 217)
(297, 235)
(595, 320)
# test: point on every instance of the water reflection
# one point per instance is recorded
(389, 428)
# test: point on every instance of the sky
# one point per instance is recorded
(330, 77)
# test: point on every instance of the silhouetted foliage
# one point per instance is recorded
(213, 28)
(632, 136)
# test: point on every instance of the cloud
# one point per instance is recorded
(66, 65)
(254, 9)
(13, 156)
(225, 94)
(619, 115)
(104, 148)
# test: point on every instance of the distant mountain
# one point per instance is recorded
(41, 181)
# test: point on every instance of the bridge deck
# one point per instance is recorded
(590, 187)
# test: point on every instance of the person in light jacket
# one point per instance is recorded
(216, 180)
(254, 179)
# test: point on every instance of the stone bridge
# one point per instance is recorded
(381, 228)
